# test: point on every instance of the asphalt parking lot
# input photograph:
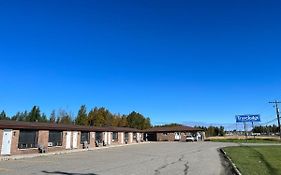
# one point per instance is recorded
(150, 158)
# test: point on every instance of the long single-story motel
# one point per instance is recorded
(34, 137)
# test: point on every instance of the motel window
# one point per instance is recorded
(135, 136)
(28, 139)
(98, 136)
(55, 138)
(85, 137)
(115, 136)
(126, 136)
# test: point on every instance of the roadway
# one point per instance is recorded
(171, 158)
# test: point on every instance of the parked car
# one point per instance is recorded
(190, 139)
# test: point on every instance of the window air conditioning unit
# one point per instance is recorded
(50, 143)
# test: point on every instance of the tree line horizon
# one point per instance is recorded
(98, 116)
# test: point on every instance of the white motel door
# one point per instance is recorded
(75, 135)
(68, 140)
(177, 136)
(109, 138)
(138, 137)
(6, 142)
(122, 137)
(105, 137)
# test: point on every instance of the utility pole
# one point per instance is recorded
(277, 115)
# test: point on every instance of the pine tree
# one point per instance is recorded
(136, 120)
(123, 121)
(99, 117)
(52, 118)
(64, 117)
(34, 115)
(20, 116)
(81, 118)
(43, 118)
(3, 116)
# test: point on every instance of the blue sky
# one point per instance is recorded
(172, 61)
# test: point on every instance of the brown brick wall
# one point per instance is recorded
(183, 137)
(79, 144)
(64, 139)
(169, 136)
(43, 137)
(166, 137)
(1, 138)
(121, 137)
(15, 141)
(92, 140)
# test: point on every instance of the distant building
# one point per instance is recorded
(173, 133)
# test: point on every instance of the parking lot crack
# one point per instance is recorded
(186, 167)
(157, 171)
(181, 158)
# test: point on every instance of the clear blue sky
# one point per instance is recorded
(172, 61)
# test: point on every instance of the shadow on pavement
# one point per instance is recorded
(66, 173)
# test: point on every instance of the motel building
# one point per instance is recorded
(174, 133)
(34, 137)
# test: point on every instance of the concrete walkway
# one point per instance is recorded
(23, 156)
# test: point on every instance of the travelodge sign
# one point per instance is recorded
(248, 118)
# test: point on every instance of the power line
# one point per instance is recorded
(265, 123)
(277, 115)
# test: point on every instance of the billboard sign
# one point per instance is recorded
(248, 118)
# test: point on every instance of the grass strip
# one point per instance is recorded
(247, 141)
(256, 160)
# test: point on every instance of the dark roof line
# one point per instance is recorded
(8, 124)
(173, 129)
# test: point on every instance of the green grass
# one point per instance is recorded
(246, 141)
(256, 160)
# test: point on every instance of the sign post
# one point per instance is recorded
(245, 129)
(247, 118)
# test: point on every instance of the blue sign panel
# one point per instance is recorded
(248, 118)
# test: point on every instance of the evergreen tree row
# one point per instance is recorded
(212, 130)
(268, 129)
(95, 117)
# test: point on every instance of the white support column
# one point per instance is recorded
(130, 137)
(105, 137)
(122, 138)
(138, 137)
(109, 138)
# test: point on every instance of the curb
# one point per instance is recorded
(27, 156)
(231, 162)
